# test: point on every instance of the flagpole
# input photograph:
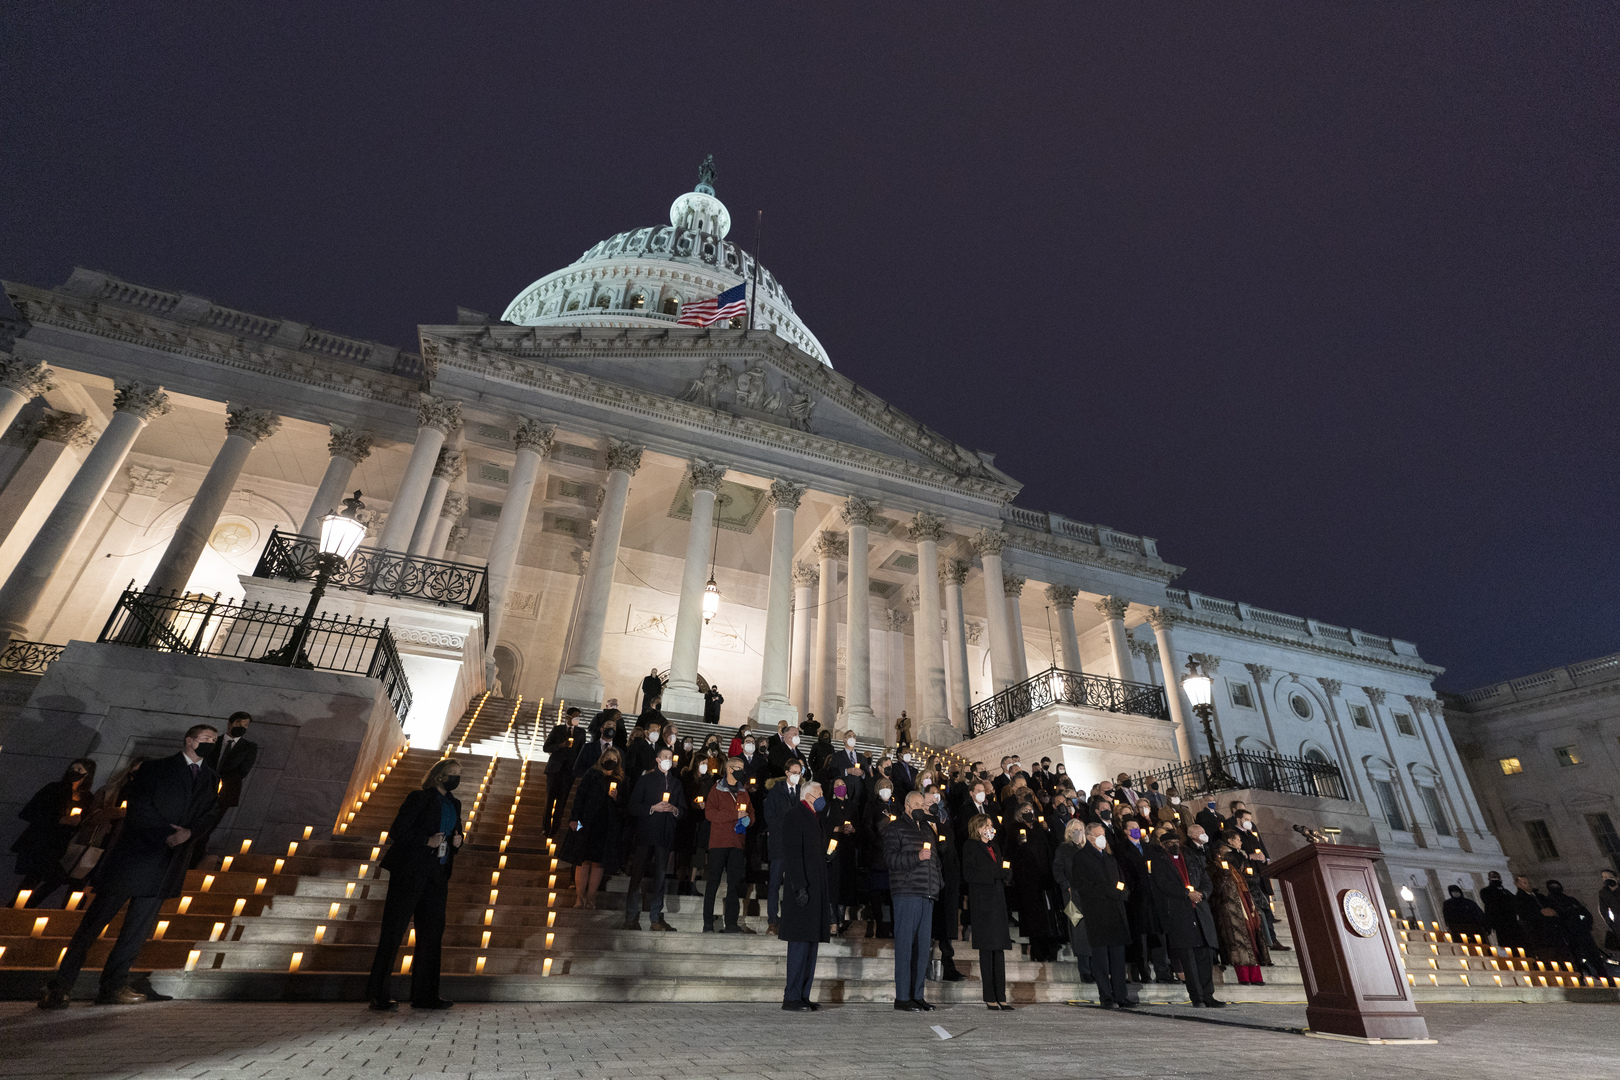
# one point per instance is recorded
(753, 300)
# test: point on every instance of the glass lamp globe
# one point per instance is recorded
(341, 532)
(1198, 689)
(711, 601)
(1406, 894)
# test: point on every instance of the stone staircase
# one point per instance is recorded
(301, 923)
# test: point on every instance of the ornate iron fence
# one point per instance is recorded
(391, 573)
(29, 657)
(1055, 686)
(206, 626)
(1265, 772)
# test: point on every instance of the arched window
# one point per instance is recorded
(573, 304)
(637, 302)
(604, 301)
(672, 305)
(1316, 756)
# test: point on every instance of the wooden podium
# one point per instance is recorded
(1354, 984)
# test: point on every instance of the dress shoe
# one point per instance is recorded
(660, 925)
(952, 975)
(772, 928)
(1106, 1005)
(633, 924)
(814, 1006)
(437, 1003)
(992, 1006)
(708, 928)
(925, 1006)
(1129, 1004)
(122, 996)
(153, 995)
(1277, 946)
(1006, 1007)
(796, 1006)
(384, 1005)
(907, 1006)
(1211, 1003)
(53, 997)
(732, 930)
(746, 929)
(1197, 1004)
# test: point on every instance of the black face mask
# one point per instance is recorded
(451, 782)
(1105, 814)
(920, 814)
(607, 734)
(1555, 889)
(238, 731)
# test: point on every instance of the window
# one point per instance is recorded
(1436, 812)
(1392, 808)
(637, 302)
(1510, 766)
(672, 305)
(1608, 841)
(1568, 755)
(1360, 716)
(573, 305)
(1541, 840)
(1241, 696)
(1403, 724)
(1301, 706)
(1315, 755)
(604, 301)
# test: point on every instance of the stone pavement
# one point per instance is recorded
(202, 1041)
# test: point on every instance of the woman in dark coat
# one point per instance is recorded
(806, 913)
(54, 814)
(1242, 933)
(1066, 877)
(1033, 886)
(1100, 892)
(879, 810)
(595, 841)
(689, 825)
(986, 872)
(845, 865)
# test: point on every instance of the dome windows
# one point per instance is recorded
(637, 301)
(672, 305)
(573, 303)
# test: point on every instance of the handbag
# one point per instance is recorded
(1072, 913)
(79, 860)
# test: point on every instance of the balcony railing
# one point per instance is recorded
(29, 657)
(390, 573)
(1057, 687)
(204, 626)
(1244, 769)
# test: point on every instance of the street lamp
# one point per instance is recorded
(1200, 691)
(1411, 904)
(341, 533)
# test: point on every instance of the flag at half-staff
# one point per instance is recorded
(731, 304)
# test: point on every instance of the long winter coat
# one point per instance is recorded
(803, 847)
(41, 846)
(1099, 890)
(1032, 881)
(1236, 921)
(1185, 925)
(162, 794)
(986, 882)
(600, 837)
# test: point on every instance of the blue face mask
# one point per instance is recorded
(820, 804)
(1134, 833)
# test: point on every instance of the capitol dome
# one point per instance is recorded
(644, 276)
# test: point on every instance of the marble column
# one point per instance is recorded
(952, 576)
(1437, 714)
(804, 602)
(348, 448)
(134, 405)
(773, 705)
(20, 382)
(455, 505)
(446, 471)
(1112, 609)
(858, 515)
(1013, 585)
(681, 696)
(1262, 677)
(437, 419)
(1341, 742)
(824, 678)
(582, 681)
(245, 428)
(533, 441)
(1003, 668)
(1161, 619)
(932, 698)
(63, 439)
(1061, 597)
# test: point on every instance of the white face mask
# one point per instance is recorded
(793, 779)
(703, 768)
(978, 796)
(665, 764)
(793, 740)
(927, 782)
(850, 743)
(1246, 826)
(1100, 842)
(884, 793)
(906, 758)
(1175, 800)
(652, 736)
(748, 748)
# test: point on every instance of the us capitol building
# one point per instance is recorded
(583, 491)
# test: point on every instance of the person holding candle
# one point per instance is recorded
(780, 796)
(728, 810)
(54, 814)
(842, 822)
(806, 913)
(1179, 893)
(1241, 930)
(562, 747)
(987, 872)
(594, 842)
(657, 804)
(1098, 889)
(914, 883)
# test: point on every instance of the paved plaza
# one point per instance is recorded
(201, 1041)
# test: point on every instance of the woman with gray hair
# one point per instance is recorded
(1067, 877)
(987, 872)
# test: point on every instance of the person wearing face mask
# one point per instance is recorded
(1173, 812)
(231, 758)
(712, 700)
(820, 750)
(1539, 922)
(1210, 819)
(780, 795)
(914, 883)
(843, 763)
(728, 809)
(806, 922)
(421, 857)
(1124, 792)
(1099, 890)
(880, 810)
(1102, 813)
(1575, 927)
(842, 822)
(811, 727)
(679, 747)
(904, 774)
(786, 751)
(1066, 875)
(1237, 923)
(1033, 886)
(1499, 913)
(1184, 915)
(1259, 884)
(1146, 954)
(1463, 917)
(595, 840)
(986, 873)
(902, 730)
(657, 803)
(52, 821)
(948, 906)
(562, 746)
(604, 736)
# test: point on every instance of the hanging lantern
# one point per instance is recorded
(711, 600)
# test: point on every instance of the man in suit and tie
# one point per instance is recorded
(563, 746)
(231, 758)
(172, 801)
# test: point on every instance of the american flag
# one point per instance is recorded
(728, 305)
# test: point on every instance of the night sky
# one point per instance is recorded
(1323, 296)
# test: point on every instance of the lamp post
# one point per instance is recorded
(1200, 691)
(341, 533)
(1411, 903)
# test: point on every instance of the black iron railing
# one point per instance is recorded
(204, 626)
(391, 573)
(1244, 769)
(29, 657)
(1055, 686)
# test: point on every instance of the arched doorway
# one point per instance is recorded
(507, 668)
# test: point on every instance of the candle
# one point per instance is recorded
(1120, 885)
(1006, 866)
(666, 796)
(832, 845)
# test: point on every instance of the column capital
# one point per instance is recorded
(1330, 687)
(1012, 584)
(1146, 650)
(786, 494)
(623, 455)
(141, 401)
(832, 545)
(29, 378)
(1260, 673)
(255, 425)
(1207, 661)
(1418, 703)
(533, 435)
(1161, 619)
(914, 598)
(926, 526)
(439, 413)
(1374, 695)
(858, 511)
(145, 480)
(1113, 607)
(451, 465)
(705, 475)
(455, 504)
(954, 571)
(896, 618)
(989, 542)
(347, 442)
(805, 575)
(1437, 709)
(70, 428)
(1061, 596)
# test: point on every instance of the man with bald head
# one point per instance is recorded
(914, 883)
